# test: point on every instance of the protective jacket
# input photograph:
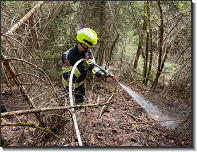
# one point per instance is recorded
(69, 58)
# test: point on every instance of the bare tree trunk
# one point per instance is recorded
(164, 58)
(147, 42)
(24, 19)
(183, 52)
(140, 43)
(154, 85)
(22, 112)
(100, 55)
(151, 44)
(121, 58)
(138, 51)
(34, 34)
(112, 48)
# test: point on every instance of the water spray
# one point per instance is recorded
(149, 107)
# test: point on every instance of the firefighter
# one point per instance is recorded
(87, 39)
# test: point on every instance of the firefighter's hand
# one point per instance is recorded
(105, 75)
(88, 63)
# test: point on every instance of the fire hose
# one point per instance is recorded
(71, 99)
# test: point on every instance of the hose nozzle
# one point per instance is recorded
(114, 79)
(106, 71)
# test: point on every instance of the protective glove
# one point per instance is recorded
(88, 63)
(105, 75)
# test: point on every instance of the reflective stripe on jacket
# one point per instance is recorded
(69, 58)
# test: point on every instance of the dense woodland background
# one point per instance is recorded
(143, 42)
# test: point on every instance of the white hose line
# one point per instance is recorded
(71, 102)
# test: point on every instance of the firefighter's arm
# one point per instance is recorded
(97, 72)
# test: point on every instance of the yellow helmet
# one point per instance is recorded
(87, 36)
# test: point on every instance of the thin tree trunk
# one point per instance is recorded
(121, 58)
(138, 51)
(154, 85)
(164, 59)
(100, 55)
(34, 34)
(112, 48)
(140, 42)
(183, 52)
(109, 56)
(151, 44)
(147, 42)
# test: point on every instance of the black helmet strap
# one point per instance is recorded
(83, 47)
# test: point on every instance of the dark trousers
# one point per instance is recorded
(79, 93)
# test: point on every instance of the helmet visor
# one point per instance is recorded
(88, 42)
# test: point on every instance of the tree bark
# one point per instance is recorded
(151, 44)
(154, 85)
(138, 51)
(101, 53)
(147, 42)
(112, 48)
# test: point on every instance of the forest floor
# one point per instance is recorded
(123, 123)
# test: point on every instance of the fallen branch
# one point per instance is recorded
(105, 106)
(33, 126)
(185, 120)
(21, 112)
(17, 81)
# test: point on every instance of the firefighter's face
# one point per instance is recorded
(85, 48)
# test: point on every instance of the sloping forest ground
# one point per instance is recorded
(123, 123)
(38, 43)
